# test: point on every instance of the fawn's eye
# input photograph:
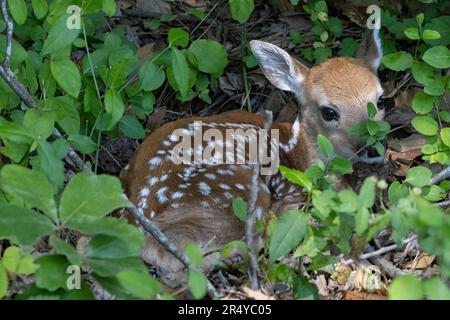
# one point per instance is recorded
(380, 104)
(329, 114)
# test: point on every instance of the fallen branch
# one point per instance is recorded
(444, 174)
(12, 81)
(384, 250)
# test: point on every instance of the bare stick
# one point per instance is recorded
(443, 204)
(25, 96)
(383, 250)
(388, 267)
(444, 174)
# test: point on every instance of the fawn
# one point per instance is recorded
(191, 202)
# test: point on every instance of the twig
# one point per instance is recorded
(383, 250)
(444, 174)
(388, 267)
(443, 204)
(26, 97)
(9, 34)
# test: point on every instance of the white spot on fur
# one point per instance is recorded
(204, 188)
(210, 176)
(152, 181)
(177, 195)
(154, 161)
(240, 186)
(224, 186)
(160, 194)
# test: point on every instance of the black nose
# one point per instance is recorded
(372, 151)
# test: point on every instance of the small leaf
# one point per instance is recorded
(398, 61)
(406, 287)
(425, 125)
(240, 209)
(114, 106)
(139, 284)
(197, 283)
(419, 176)
(325, 146)
(151, 76)
(367, 192)
(194, 254)
(83, 143)
(180, 71)
(422, 103)
(109, 7)
(297, 177)
(4, 282)
(67, 76)
(438, 57)
(429, 34)
(445, 136)
(40, 8)
(412, 33)
(436, 289)
(210, 56)
(371, 110)
(18, 9)
(59, 36)
(287, 232)
(51, 274)
(178, 37)
(64, 248)
(241, 9)
(18, 261)
(131, 127)
(340, 165)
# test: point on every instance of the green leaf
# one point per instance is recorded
(418, 176)
(436, 87)
(398, 61)
(51, 274)
(89, 195)
(425, 125)
(40, 123)
(82, 143)
(241, 9)
(311, 247)
(335, 26)
(314, 172)
(422, 103)
(66, 112)
(111, 267)
(210, 56)
(19, 54)
(325, 146)
(180, 71)
(412, 33)
(151, 76)
(340, 165)
(114, 106)
(40, 8)
(18, 261)
(59, 36)
(240, 209)
(4, 283)
(49, 161)
(445, 136)
(194, 254)
(436, 289)
(139, 284)
(63, 248)
(422, 72)
(22, 226)
(367, 193)
(18, 9)
(438, 57)
(112, 247)
(297, 177)
(406, 287)
(397, 191)
(304, 290)
(429, 34)
(67, 76)
(109, 7)
(197, 283)
(287, 232)
(131, 127)
(371, 110)
(178, 37)
(31, 187)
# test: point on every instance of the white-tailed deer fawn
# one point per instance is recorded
(192, 202)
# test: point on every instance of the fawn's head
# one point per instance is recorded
(333, 94)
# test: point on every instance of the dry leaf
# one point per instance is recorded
(421, 262)
(145, 52)
(256, 294)
(404, 98)
(356, 295)
(406, 156)
(414, 141)
(365, 278)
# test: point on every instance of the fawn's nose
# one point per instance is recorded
(372, 151)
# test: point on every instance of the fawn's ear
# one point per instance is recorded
(282, 70)
(370, 51)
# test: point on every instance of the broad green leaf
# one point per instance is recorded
(4, 282)
(114, 106)
(436, 289)
(422, 103)
(287, 232)
(18, 261)
(422, 72)
(340, 165)
(18, 9)
(40, 8)
(111, 267)
(139, 284)
(197, 283)
(40, 123)
(304, 290)
(15, 132)
(82, 143)
(178, 37)
(110, 247)
(241, 9)
(65, 249)
(49, 161)
(297, 177)
(445, 136)
(406, 287)
(194, 254)
(397, 191)
(412, 33)
(131, 127)
(22, 226)
(240, 209)
(66, 112)
(418, 176)
(151, 76)
(180, 71)
(349, 201)
(425, 125)
(209, 56)
(109, 7)
(89, 195)
(67, 76)
(59, 36)
(52, 273)
(398, 61)
(31, 187)
(311, 247)
(367, 193)
(438, 57)
(314, 172)
(325, 146)
(19, 54)
(429, 34)
(436, 87)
